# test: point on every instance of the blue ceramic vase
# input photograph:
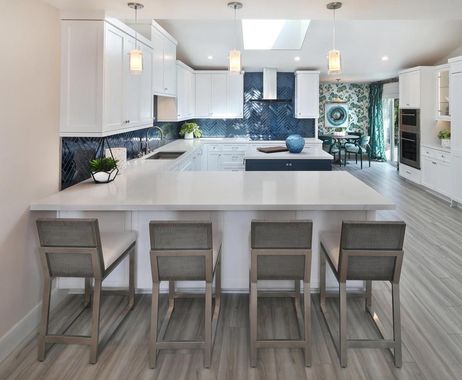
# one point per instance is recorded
(295, 143)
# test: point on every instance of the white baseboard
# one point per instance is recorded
(25, 329)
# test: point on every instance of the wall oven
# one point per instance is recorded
(409, 151)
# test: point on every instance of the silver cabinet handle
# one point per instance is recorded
(433, 162)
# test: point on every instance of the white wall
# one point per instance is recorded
(29, 153)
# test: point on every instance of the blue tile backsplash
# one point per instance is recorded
(262, 120)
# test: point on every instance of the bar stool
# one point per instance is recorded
(281, 251)
(184, 251)
(76, 248)
(368, 251)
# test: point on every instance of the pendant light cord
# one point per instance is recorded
(136, 23)
(235, 27)
(333, 35)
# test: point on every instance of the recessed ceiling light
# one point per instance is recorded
(297, 59)
(210, 57)
(385, 58)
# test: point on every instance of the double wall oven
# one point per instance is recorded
(409, 151)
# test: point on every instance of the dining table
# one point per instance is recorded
(340, 142)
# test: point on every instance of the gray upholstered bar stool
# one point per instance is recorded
(76, 248)
(184, 251)
(368, 251)
(281, 251)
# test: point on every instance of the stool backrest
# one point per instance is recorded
(371, 251)
(70, 247)
(281, 249)
(181, 250)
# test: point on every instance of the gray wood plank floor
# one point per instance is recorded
(431, 298)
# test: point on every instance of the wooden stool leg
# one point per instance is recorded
(216, 309)
(322, 281)
(253, 324)
(369, 296)
(208, 325)
(87, 294)
(171, 295)
(343, 325)
(307, 322)
(154, 322)
(43, 331)
(396, 325)
(131, 280)
(95, 322)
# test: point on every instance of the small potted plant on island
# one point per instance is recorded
(190, 130)
(103, 169)
(445, 138)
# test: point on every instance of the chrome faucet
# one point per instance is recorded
(146, 149)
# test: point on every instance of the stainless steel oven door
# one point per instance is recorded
(410, 149)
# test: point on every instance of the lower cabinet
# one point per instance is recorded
(436, 171)
(288, 165)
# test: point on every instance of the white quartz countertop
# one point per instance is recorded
(308, 153)
(149, 185)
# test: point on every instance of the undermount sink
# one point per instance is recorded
(165, 155)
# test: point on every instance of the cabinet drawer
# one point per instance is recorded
(412, 174)
(234, 148)
(214, 147)
(436, 154)
(232, 158)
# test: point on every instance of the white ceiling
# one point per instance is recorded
(409, 32)
(362, 43)
(290, 9)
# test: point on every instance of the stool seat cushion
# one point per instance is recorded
(114, 244)
(330, 241)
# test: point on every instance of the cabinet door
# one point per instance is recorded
(236, 95)
(146, 97)
(430, 173)
(157, 62)
(409, 87)
(191, 99)
(169, 67)
(203, 95)
(132, 86)
(115, 72)
(307, 95)
(181, 92)
(456, 135)
(219, 95)
(444, 178)
(214, 161)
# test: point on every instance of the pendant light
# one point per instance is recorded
(235, 55)
(334, 58)
(136, 55)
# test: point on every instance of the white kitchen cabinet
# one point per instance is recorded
(99, 94)
(182, 106)
(436, 171)
(219, 95)
(164, 57)
(456, 127)
(409, 88)
(306, 94)
(410, 173)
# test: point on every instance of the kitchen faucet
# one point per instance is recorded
(146, 149)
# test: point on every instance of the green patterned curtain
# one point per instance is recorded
(376, 122)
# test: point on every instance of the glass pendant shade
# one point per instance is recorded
(235, 61)
(334, 62)
(136, 61)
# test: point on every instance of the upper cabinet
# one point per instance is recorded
(99, 94)
(409, 88)
(306, 94)
(182, 106)
(219, 95)
(442, 93)
(164, 58)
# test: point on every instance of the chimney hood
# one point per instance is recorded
(270, 87)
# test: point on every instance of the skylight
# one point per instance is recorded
(274, 34)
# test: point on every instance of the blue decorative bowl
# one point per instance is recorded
(295, 143)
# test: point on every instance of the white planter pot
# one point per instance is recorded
(104, 177)
(446, 143)
(189, 136)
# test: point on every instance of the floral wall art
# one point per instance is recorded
(356, 95)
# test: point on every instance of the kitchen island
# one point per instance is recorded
(149, 190)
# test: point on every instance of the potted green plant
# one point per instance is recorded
(190, 130)
(445, 138)
(103, 169)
